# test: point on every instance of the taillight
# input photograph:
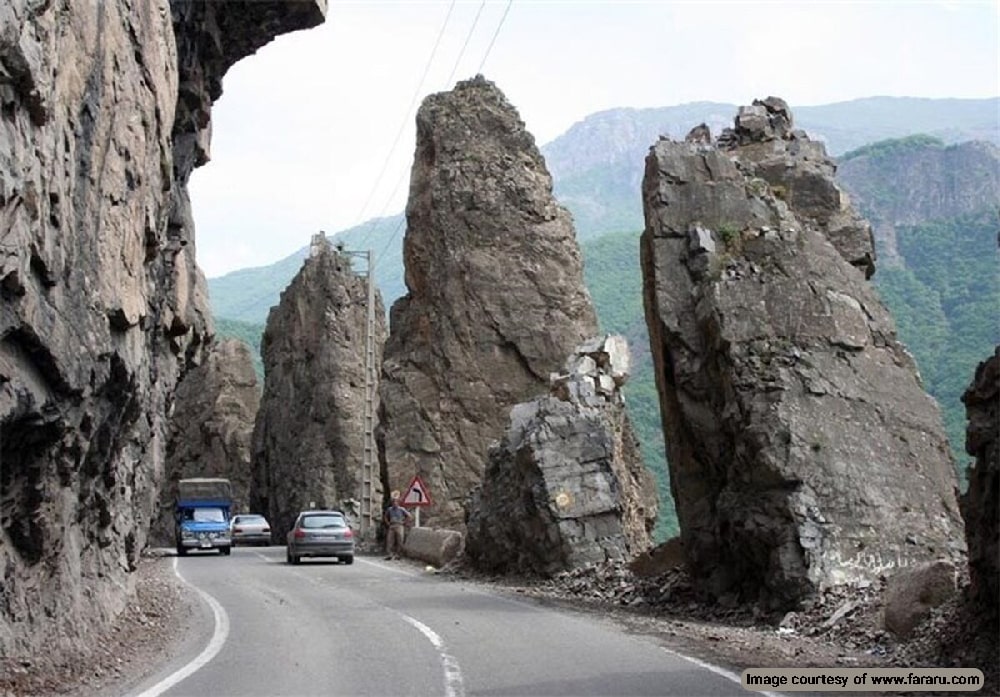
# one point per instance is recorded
(267, 530)
(299, 534)
(237, 529)
(348, 533)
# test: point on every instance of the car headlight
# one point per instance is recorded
(187, 535)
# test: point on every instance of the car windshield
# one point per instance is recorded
(249, 519)
(323, 521)
(209, 515)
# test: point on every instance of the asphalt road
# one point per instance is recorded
(387, 628)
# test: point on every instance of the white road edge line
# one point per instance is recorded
(453, 684)
(219, 637)
(717, 670)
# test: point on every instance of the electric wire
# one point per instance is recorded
(495, 34)
(399, 225)
(468, 36)
(489, 48)
(405, 120)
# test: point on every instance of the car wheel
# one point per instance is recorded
(225, 550)
(288, 557)
(349, 559)
(181, 550)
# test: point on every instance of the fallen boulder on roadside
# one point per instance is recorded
(432, 545)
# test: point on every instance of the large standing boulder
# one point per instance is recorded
(981, 503)
(495, 299)
(565, 486)
(803, 449)
(211, 429)
(309, 437)
(102, 308)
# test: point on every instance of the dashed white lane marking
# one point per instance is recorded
(450, 662)
(219, 637)
(453, 684)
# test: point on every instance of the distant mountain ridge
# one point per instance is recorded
(597, 170)
(597, 165)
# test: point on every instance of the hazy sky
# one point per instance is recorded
(306, 126)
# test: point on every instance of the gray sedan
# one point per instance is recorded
(320, 534)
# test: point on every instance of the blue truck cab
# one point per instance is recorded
(202, 511)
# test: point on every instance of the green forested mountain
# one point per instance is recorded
(945, 299)
(611, 272)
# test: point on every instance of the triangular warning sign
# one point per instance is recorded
(417, 494)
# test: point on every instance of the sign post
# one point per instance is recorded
(417, 495)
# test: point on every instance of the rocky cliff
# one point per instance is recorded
(495, 297)
(918, 179)
(981, 503)
(102, 308)
(803, 450)
(565, 486)
(211, 429)
(309, 436)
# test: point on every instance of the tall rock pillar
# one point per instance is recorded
(495, 299)
(803, 449)
(309, 436)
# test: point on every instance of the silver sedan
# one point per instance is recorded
(320, 534)
(250, 528)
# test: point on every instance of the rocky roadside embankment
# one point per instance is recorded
(139, 639)
(839, 627)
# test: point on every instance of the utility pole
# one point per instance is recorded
(367, 493)
(368, 454)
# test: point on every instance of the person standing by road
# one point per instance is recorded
(395, 517)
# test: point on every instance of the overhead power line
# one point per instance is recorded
(406, 116)
(399, 225)
(468, 36)
(495, 34)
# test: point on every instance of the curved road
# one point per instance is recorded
(385, 628)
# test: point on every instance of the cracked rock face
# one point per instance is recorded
(803, 449)
(495, 300)
(105, 110)
(309, 436)
(565, 487)
(211, 429)
(981, 503)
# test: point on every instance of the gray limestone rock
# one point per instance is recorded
(102, 308)
(911, 594)
(565, 486)
(211, 429)
(495, 299)
(981, 503)
(309, 436)
(803, 449)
